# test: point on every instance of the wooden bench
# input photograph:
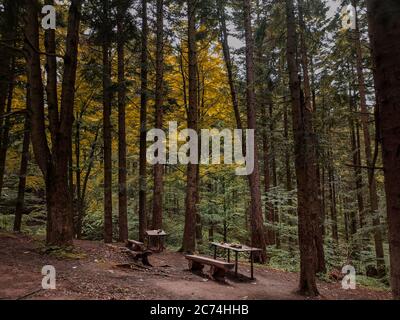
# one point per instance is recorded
(218, 268)
(138, 252)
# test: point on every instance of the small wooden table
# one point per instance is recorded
(237, 250)
(159, 236)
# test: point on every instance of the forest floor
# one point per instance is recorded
(95, 275)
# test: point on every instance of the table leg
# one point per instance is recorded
(229, 255)
(251, 263)
(236, 263)
(215, 252)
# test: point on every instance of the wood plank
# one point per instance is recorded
(210, 261)
(244, 248)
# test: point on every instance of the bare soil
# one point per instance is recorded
(97, 275)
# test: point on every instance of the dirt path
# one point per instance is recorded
(95, 276)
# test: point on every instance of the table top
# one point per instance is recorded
(156, 233)
(229, 246)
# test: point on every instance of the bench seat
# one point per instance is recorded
(218, 268)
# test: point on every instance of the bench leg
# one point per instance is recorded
(195, 266)
(236, 263)
(217, 273)
(145, 260)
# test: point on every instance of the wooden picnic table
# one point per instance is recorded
(159, 236)
(237, 249)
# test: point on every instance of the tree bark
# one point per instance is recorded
(228, 62)
(5, 133)
(143, 125)
(357, 170)
(305, 164)
(189, 236)
(314, 182)
(23, 166)
(257, 221)
(122, 170)
(384, 23)
(159, 168)
(107, 139)
(53, 165)
(7, 78)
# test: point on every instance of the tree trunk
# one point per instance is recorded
(7, 29)
(78, 172)
(384, 23)
(122, 171)
(53, 165)
(23, 166)
(357, 170)
(374, 202)
(107, 139)
(7, 78)
(143, 125)
(269, 214)
(228, 61)
(305, 164)
(5, 133)
(332, 193)
(257, 221)
(159, 168)
(189, 236)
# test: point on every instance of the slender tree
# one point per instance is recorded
(158, 168)
(257, 221)
(143, 124)
(107, 138)
(122, 171)
(24, 165)
(8, 30)
(305, 168)
(189, 236)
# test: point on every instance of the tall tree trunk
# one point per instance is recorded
(7, 29)
(357, 169)
(189, 236)
(78, 172)
(159, 168)
(274, 211)
(228, 61)
(7, 78)
(257, 221)
(23, 166)
(5, 133)
(315, 204)
(53, 165)
(384, 23)
(305, 164)
(269, 216)
(373, 194)
(107, 139)
(143, 125)
(332, 193)
(122, 170)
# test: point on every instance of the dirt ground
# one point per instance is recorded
(97, 276)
